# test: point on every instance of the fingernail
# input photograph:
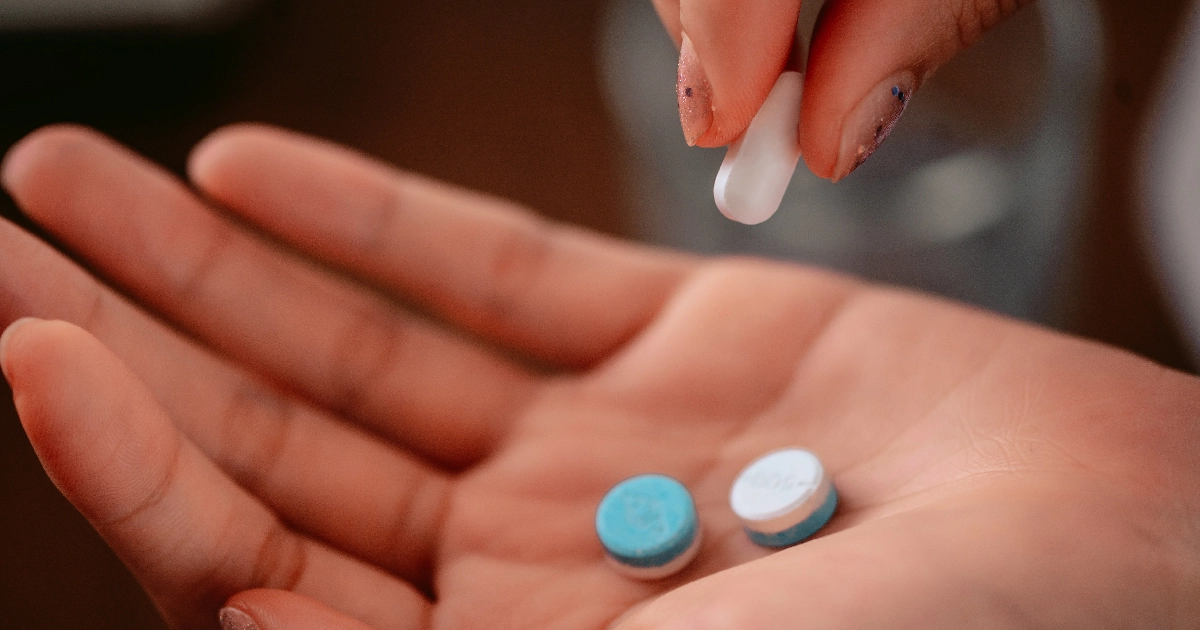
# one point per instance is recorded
(8, 333)
(234, 619)
(694, 94)
(869, 124)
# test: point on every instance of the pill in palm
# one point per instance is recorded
(758, 165)
(648, 526)
(783, 497)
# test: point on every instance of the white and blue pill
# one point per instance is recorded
(783, 497)
(648, 526)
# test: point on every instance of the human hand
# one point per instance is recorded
(262, 414)
(866, 59)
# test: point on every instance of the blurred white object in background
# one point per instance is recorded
(973, 196)
(1171, 180)
(48, 15)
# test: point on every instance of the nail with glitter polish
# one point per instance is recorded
(870, 122)
(234, 619)
(694, 94)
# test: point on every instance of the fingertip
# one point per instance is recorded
(237, 154)
(236, 619)
(729, 121)
(40, 340)
(819, 157)
(273, 609)
(37, 346)
(7, 338)
(214, 152)
(47, 144)
(33, 353)
(743, 49)
(16, 161)
(252, 609)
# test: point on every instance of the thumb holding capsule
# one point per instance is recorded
(731, 53)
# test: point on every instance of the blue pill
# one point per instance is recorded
(648, 526)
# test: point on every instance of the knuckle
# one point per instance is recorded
(413, 532)
(255, 428)
(380, 215)
(517, 262)
(195, 277)
(280, 561)
(363, 355)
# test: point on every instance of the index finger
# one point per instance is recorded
(554, 292)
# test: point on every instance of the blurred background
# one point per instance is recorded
(1023, 200)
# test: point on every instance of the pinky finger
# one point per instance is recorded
(270, 609)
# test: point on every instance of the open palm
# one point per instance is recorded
(405, 403)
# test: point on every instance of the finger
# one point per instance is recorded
(731, 54)
(867, 58)
(341, 345)
(189, 534)
(668, 13)
(269, 609)
(1002, 558)
(309, 467)
(554, 292)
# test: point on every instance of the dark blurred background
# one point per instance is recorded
(501, 96)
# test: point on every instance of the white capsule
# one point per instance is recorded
(758, 165)
(783, 497)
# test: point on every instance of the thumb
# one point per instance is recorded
(1001, 557)
(821, 584)
(866, 60)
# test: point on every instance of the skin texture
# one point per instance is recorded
(348, 397)
(743, 46)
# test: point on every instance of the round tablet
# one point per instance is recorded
(783, 497)
(648, 526)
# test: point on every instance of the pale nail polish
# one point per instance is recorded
(694, 94)
(234, 619)
(870, 122)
